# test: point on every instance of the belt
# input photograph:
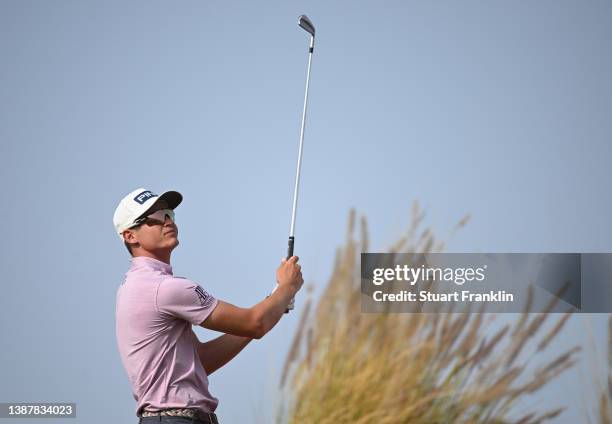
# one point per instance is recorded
(205, 417)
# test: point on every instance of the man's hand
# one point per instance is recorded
(289, 274)
(285, 272)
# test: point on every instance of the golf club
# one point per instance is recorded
(307, 25)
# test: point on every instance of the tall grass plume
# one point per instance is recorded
(346, 366)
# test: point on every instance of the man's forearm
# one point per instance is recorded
(218, 352)
(272, 308)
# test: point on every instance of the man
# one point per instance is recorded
(167, 366)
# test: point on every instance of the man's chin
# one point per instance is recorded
(170, 244)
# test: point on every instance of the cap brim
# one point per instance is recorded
(172, 199)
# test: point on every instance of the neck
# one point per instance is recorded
(163, 256)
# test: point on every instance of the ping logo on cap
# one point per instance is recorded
(144, 196)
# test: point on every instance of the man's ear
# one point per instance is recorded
(130, 237)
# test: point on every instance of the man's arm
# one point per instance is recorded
(216, 353)
(255, 322)
(252, 322)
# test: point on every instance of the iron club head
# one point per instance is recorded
(305, 23)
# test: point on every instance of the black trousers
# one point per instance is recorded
(171, 420)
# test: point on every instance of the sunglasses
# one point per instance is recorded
(156, 218)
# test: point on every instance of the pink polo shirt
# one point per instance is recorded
(154, 314)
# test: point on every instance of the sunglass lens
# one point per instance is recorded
(161, 215)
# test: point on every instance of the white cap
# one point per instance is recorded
(137, 203)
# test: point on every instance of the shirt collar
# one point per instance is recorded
(144, 262)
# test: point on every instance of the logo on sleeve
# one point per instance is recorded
(202, 295)
(144, 196)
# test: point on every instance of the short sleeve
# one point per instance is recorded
(184, 299)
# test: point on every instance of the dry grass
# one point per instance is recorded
(353, 367)
(605, 397)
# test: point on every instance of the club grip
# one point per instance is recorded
(289, 255)
(290, 247)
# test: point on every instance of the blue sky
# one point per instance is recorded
(497, 109)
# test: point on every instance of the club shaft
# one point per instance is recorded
(299, 160)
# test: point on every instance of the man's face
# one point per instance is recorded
(153, 236)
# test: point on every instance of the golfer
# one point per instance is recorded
(167, 366)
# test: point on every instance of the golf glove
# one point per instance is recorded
(291, 304)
